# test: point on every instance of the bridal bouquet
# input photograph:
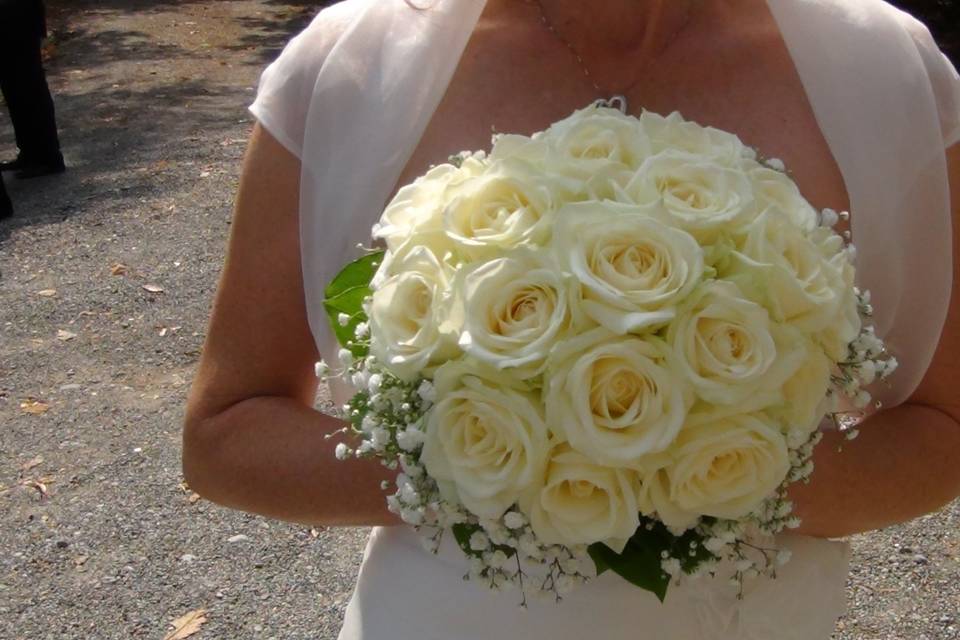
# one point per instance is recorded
(606, 346)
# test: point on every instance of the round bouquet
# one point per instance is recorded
(605, 346)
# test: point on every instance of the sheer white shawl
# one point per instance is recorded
(352, 95)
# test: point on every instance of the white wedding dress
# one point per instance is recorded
(352, 95)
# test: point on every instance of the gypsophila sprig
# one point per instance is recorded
(638, 318)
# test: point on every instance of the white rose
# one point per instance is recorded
(593, 139)
(723, 468)
(795, 275)
(511, 311)
(846, 324)
(582, 502)
(723, 344)
(405, 315)
(673, 132)
(632, 269)
(805, 392)
(509, 205)
(695, 193)
(614, 398)
(414, 217)
(775, 189)
(486, 442)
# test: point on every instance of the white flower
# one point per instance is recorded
(405, 316)
(342, 451)
(343, 319)
(374, 382)
(772, 188)
(409, 439)
(723, 468)
(594, 140)
(672, 132)
(426, 391)
(692, 192)
(479, 541)
(615, 398)
(321, 369)
(867, 371)
(415, 215)
(797, 277)
(723, 344)
(829, 217)
(485, 442)
(804, 393)
(511, 311)
(582, 502)
(345, 358)
(632, 269)
(514, 520)
(509, 205)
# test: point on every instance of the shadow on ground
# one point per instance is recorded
(138, 85)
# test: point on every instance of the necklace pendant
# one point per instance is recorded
(613, 102)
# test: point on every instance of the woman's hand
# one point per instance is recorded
(906, 461)
(251, 438)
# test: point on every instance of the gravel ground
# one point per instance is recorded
(107, 277)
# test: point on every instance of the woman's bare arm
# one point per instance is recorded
(251, 437)
(906, 461)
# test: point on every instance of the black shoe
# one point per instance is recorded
(6, 208)
(37, 169)
(12, 165)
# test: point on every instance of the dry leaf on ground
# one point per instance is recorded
(39, 486)
(118, 269)
(30, 464)
(187, 625)
(47, 293)
(152, 288)
(35, 407)
(64, 335)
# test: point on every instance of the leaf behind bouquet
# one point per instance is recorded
(345, 295)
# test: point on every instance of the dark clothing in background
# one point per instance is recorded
(6, 207)
(23, 81)
(23, 15)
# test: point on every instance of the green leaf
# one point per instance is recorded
(358, 273)
(345, 294)
(638, 564)
(462, 532)
(596, 552)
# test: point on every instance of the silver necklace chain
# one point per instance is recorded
(616, 101)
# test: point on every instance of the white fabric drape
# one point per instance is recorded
(351, 97)
(353, 94)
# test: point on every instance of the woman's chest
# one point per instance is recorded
(749, 88)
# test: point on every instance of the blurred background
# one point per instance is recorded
(106, 276)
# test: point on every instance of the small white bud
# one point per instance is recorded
(342, 451)
(829, 217)
(479, 541)
(776, 164)
(514, 520)
(343, 319)
(321, 369)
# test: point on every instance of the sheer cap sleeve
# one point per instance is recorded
(286, 86)
(944, 80)
(885, 99)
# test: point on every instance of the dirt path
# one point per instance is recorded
(107, 276)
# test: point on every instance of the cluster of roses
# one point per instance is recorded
(618, 317)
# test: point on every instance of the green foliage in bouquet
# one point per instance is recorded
(345, 295)
(640, 563)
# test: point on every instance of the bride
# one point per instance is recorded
(853, 95)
